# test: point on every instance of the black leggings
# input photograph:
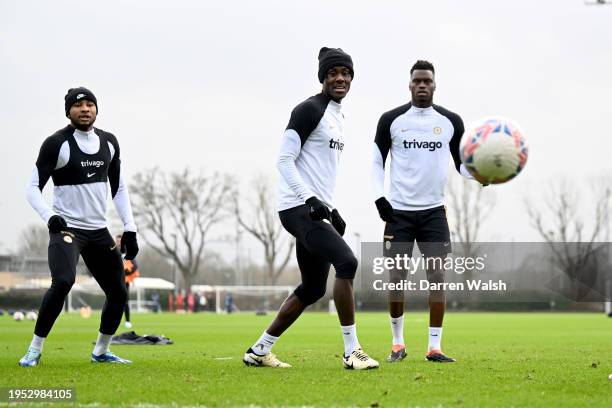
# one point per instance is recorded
(103, 260)
(318, 247)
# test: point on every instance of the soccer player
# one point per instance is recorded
(308, 161)
(130, 269)
(82, 161)
(421, 138)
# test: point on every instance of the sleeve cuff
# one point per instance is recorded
(48, 216)
(130, 227)
(465, 173)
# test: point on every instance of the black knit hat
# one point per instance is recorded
(74, 95)
(333, 57)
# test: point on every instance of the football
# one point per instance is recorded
(18, 316)
(31, 315)
(494, 150)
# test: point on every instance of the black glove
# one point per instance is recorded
(57, 224)
(129, 245)
(337, 222)
(384, 209)
(318, 211)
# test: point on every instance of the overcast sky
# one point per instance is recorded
(211, 85)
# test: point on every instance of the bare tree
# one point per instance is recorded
(177, 210)
(469, 205)
(34, 241)
(572, 245)
(265, 226)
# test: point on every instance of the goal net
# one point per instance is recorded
(234, 298)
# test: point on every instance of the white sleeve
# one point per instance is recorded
(378, 173)
(64, 156)
(289, 152)
(465, 173)
(123, 206)
(48, 160)
(36, 199)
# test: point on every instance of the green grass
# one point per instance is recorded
(518, 360)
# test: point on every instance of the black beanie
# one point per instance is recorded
(76, 94)
(333, 57)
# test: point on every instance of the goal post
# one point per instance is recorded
(240, 298)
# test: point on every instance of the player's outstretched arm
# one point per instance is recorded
(45, 164)
(288, 154)
(380, 151)
(454, 146)
(121, 200)
(304, 119)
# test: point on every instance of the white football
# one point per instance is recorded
(18, 316)
(494, 150)
(31, 315)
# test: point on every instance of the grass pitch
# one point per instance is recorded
(504, 359)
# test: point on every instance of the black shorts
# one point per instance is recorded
(429, 228)
(318, 246)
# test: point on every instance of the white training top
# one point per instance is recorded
(82, 168)
(310, 152)
(421, 142)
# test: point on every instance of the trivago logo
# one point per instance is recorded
(95, 163)
(336, 144)
(414, 144)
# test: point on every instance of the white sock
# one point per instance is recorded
(349, 334)
(264, 345)
(37, 342)
(397, 330)
(435, 338)
(102, 344)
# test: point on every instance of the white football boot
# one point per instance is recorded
(267, 360)
(359, 360)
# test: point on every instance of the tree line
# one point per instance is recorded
(177, 213)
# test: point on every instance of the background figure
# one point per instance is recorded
(155, 300)
(202, 302)
(130, 268)
(196, 302)
(170, 302)
(190, 302)
(229, 303)
(179, 302)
